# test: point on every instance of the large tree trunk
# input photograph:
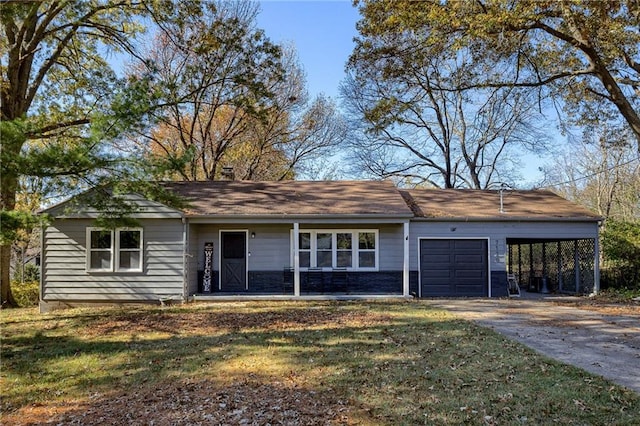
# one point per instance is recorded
(6, 296)
(8, 186)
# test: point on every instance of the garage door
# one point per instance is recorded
(453, 268)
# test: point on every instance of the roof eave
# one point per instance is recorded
(510, 219)
(176, 214)
(404, 216)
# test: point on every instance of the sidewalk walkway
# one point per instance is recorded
(607, 345)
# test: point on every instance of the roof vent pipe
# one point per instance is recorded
(503, 186)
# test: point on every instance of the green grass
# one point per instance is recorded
(379, 362)
(619, 295)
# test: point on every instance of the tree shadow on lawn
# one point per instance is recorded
(345, 364)
(197, 401)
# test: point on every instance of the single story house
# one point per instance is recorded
(297, 239)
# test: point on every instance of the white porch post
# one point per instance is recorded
(296, 259)
(405, 263)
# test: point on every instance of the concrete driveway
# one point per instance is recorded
(607, 345)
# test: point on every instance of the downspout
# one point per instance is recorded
(42, 259)
(185, 262)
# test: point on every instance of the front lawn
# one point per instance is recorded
(391, 362)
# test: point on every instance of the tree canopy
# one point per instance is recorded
(56, 98)
(602, 172)
(232, 99)
(423, 119)
(585, 54)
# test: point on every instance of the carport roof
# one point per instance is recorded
(467, 204)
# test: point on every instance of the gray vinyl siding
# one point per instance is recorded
(270, 250)
(193, 244)
(497, 232)
(65, 276)
(391, 247)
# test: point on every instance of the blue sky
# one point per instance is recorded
(322, 33)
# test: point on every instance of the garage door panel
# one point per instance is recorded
(469, 258)
(442, 274)
(470, 274)
(437, 258)
(439, 293)
(442, 245)
(438, 290)
(437, 265)
(454, 267)
(467, 282)
(468, 244)
(462, 265)
(470, 290)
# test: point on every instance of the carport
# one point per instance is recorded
(567, 266)
(468, 242)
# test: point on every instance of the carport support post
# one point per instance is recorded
(296, 259)
(544, 260)
(576, 265)
(405, 262)
(560, 281)
(596, 267)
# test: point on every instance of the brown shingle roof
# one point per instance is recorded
(294, 198)
(485, 205)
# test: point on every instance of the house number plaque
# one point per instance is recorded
(208, 263)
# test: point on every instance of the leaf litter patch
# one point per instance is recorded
(199, 402)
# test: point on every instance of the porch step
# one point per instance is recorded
(257, 297)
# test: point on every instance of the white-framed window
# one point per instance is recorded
(99, 249)
(367, 249)
(340, 248)
(305, 249)
(119, 250)
(344, 249)
(324, 250)
(129, 250)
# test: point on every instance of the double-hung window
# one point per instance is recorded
(324, 250)
(367, 249)
(350, 249)
(99, 250)
(305, 250)
(344, 249)
(129, 246)
(118, 250)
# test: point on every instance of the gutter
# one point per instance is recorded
(289, 219)
(300, 216)
(185, 261)
(507, 219)
(42, 259)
